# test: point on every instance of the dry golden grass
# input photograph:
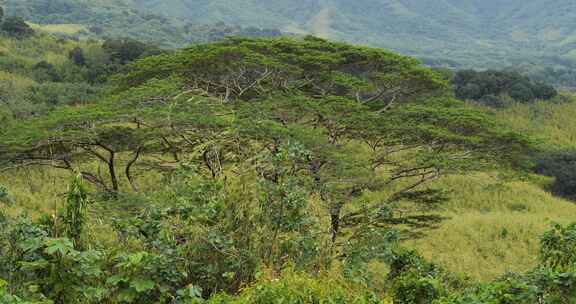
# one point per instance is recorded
(553, 124)
(492, 228)
(68, 28)
(37, 191)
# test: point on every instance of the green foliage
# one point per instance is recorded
(561, 166)
(5, 196)
(142, 276)
(16, 27)
(417, 281)
(74, 217)
(77, 56)
(558, 250)
(489, 86)
(298, 288)
(124, 51)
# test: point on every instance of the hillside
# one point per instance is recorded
(447, 32)
(498, 31)
(37, 75)
(121, 19)
(275, 170)
(300, 168)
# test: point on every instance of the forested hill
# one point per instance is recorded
(119, 18)
(471, 33)
(497, 30)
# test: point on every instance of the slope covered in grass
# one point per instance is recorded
(492, 227)
(553, 124)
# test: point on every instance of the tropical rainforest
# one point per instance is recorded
(248, 152)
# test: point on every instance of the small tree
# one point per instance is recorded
(74, 216)
(77, 56)
(558, 248)
(5, 196)
(562, 167)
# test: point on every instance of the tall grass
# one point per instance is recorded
(492, 228)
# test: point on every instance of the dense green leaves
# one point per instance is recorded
(16, 27)
(562, 167)
(490, 86)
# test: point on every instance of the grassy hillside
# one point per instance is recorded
(491, 226)
(552, 124)
(36, 74)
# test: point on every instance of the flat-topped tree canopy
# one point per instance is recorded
(249, 68)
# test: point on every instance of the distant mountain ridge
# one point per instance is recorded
(453, 30)
(467, 32)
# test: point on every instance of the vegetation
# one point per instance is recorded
(477, 34)
(110, 18)
(285, 170)
(40, 72)
(491, 87)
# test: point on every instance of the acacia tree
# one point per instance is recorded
(369, 121)
(354, 149)
(113, 135)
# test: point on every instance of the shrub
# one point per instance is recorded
(488, 86)
(561, 166)
(5, 196)
(558, 248)
(16, 27)
(301, 288)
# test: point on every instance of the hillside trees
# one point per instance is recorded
(562, 167)
(16, 27)
(489, 86)
(77, 56)
(42, 72)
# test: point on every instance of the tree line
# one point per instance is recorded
(491, 87)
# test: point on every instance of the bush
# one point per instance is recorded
(57, 93)
(488, 86)
(5, 196)
(44, 71)
(16, 27)
(558, 249)
(561, 166)
(301, 288)
(411, 288)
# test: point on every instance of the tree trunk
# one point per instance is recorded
(335, 221)
(113, 176)
(129, 167)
